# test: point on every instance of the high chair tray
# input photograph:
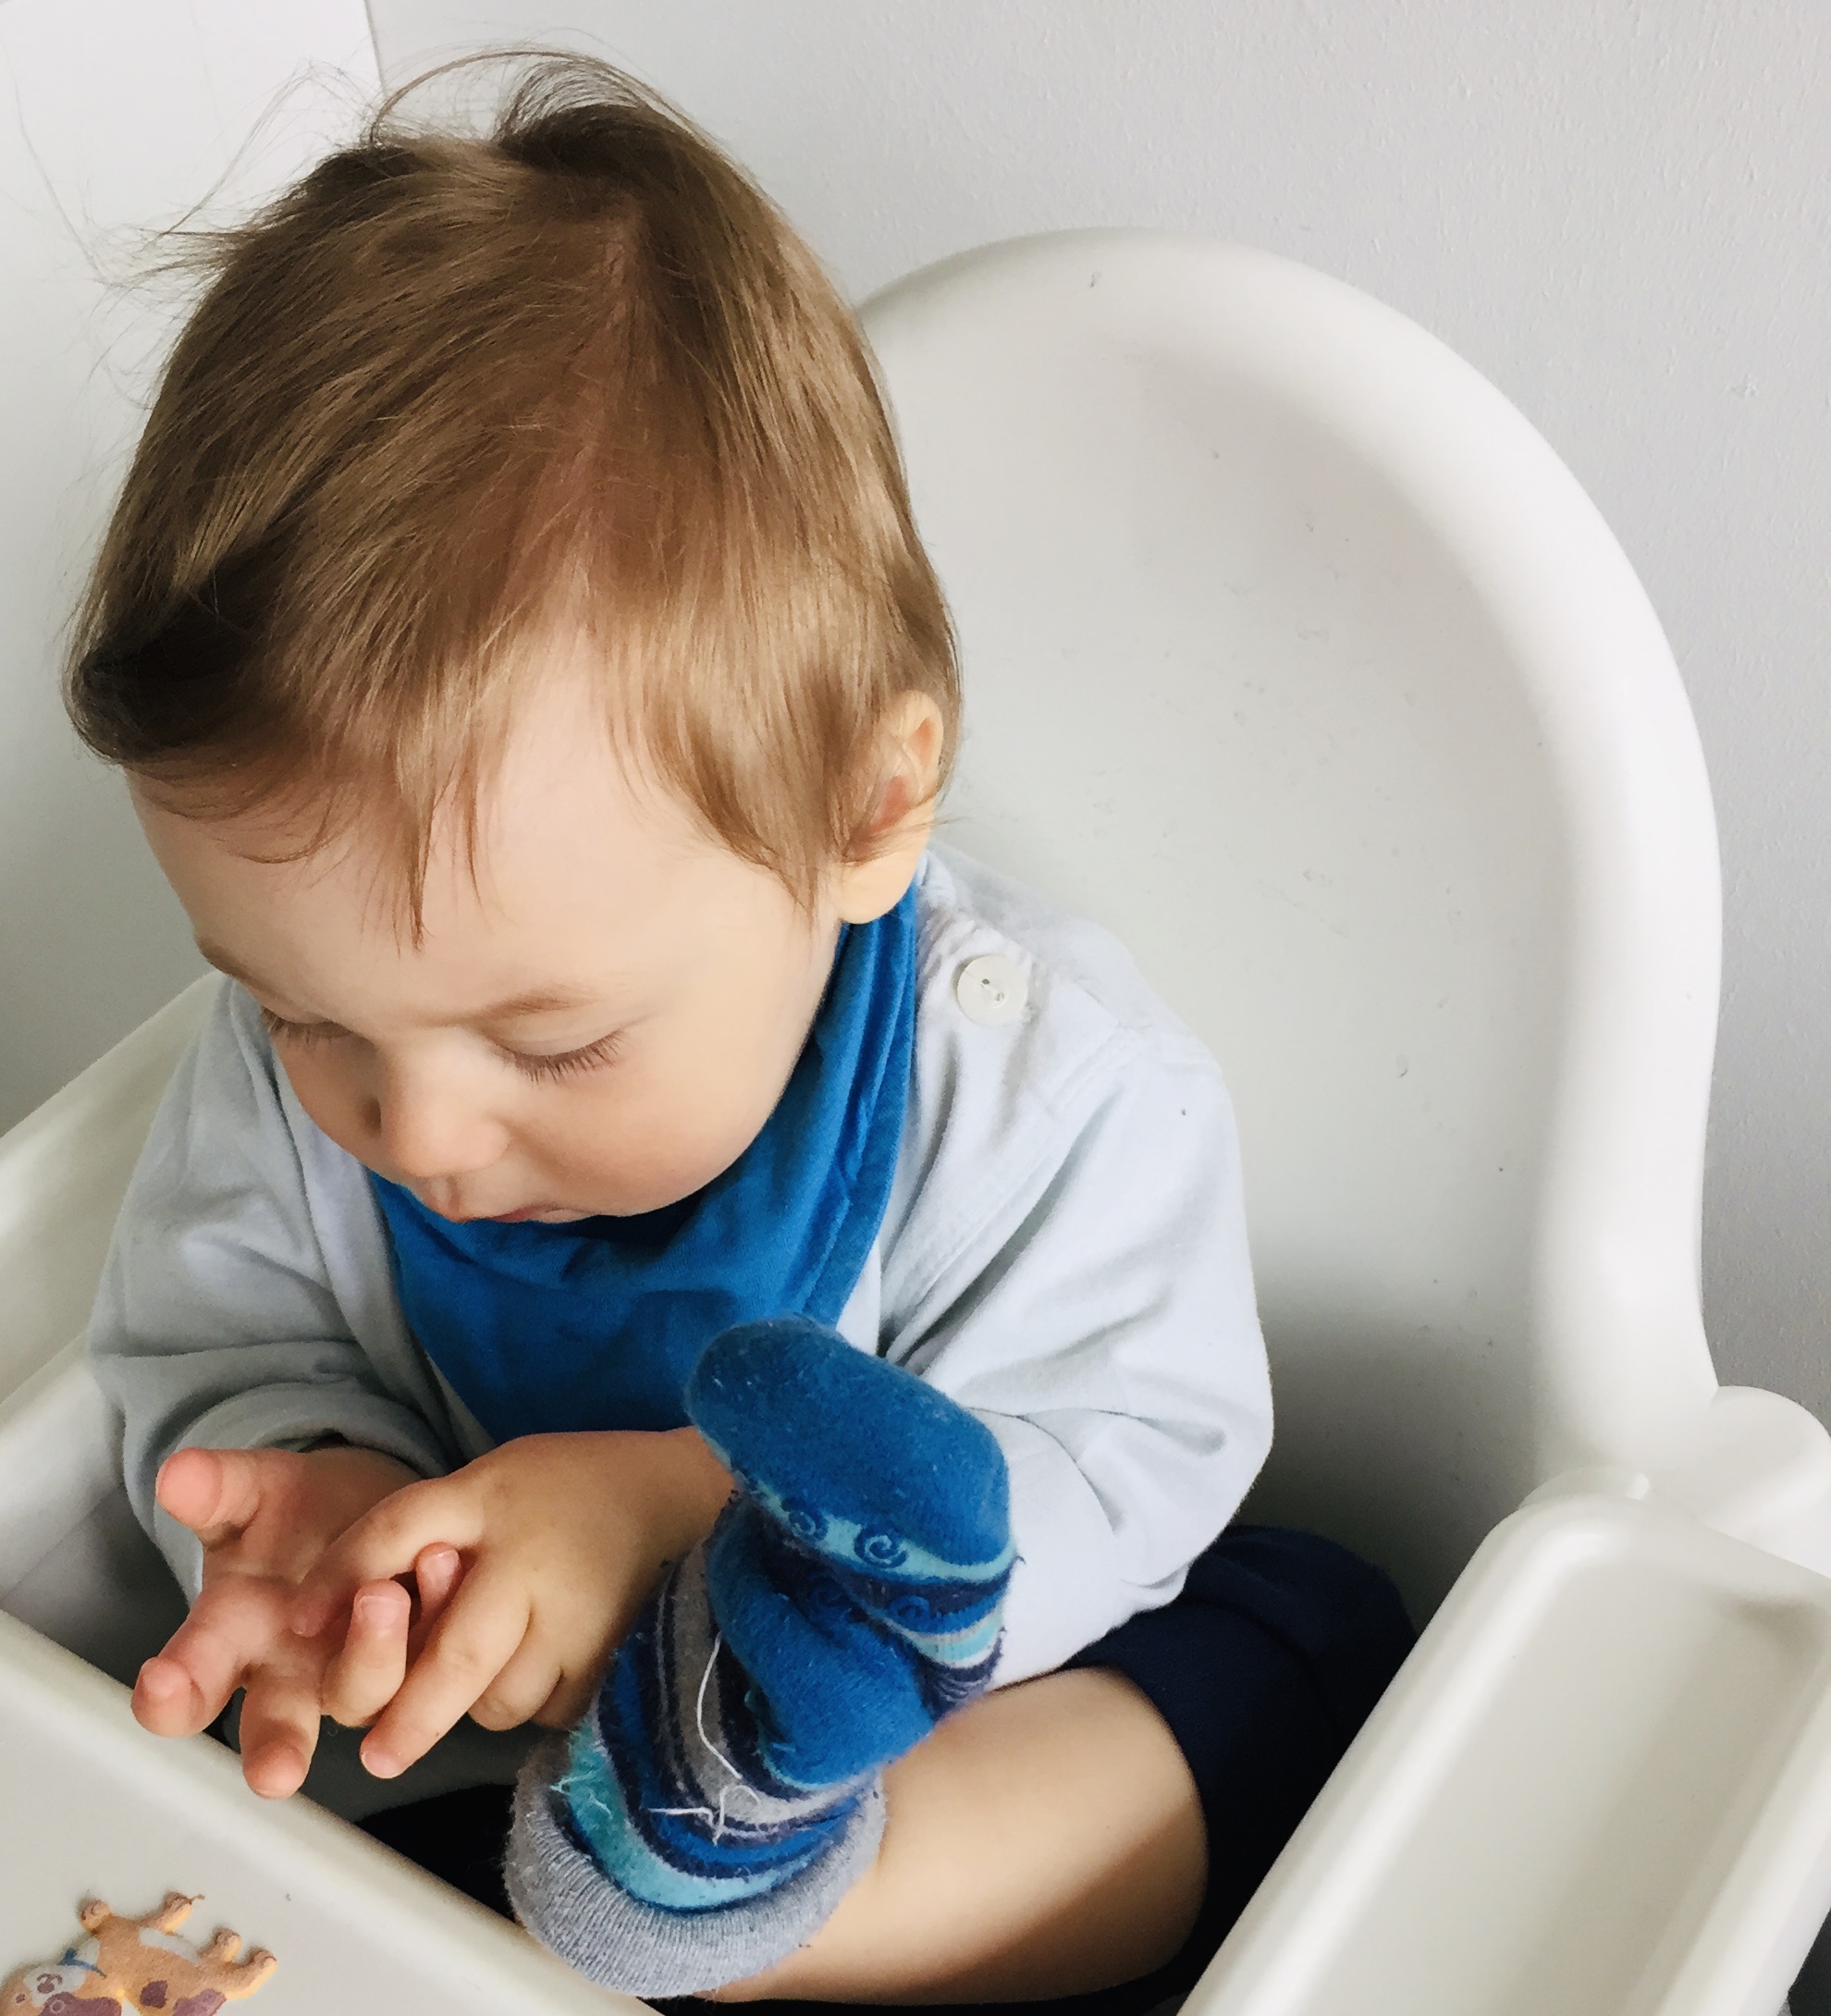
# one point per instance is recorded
(93, 1807)
(1600, 1786)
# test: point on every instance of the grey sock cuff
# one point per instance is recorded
(569, 1904)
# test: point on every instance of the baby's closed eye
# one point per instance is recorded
(537, 1065)
(565, 1062)
(282, 1031)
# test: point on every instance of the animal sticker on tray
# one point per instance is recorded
(137, 1967)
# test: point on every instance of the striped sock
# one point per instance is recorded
(726, 1789)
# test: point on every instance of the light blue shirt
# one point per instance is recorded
(1064, 1253)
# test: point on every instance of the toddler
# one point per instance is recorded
(646, 1245)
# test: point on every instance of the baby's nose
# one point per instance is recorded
(431, 1135)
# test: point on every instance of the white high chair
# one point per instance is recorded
(1294, 655)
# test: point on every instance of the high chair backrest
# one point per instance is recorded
(1294, 655)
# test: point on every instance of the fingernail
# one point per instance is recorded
(379, 1764)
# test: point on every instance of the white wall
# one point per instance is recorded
(1620, 213)
(116, 116)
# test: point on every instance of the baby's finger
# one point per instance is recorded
(232, 1625)
(363, 1677)
(279, 1733)
(384, 1542)
(470, 1645)
(521, 1690)
(215, 1493)
(166, 1701)
(435, 1574)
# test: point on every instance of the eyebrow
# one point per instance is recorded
(540, 1001)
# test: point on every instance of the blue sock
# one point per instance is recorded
(725, 1793)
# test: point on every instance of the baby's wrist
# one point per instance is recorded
(704, 1483)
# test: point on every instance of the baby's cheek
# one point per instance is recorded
(627, 1151)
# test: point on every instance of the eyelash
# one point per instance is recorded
(569, 1063)
(281, 1031)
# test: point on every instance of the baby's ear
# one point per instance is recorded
(890, 840)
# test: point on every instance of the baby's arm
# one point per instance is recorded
(561, 1537)
(1100, 1320)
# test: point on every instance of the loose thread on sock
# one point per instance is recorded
(720, 1819)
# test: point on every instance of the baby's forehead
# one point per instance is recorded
(550, 787)
(576, 886)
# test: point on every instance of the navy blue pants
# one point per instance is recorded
(1264, 1668)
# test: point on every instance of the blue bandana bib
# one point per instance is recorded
(597, 1324)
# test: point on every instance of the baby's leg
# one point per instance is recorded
(1049, 1841)
(724, 1793)
(1045, 1841)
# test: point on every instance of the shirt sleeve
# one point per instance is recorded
(245, 1301)
(1099, 1316)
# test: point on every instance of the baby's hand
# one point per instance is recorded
(265, 1517)
(562, 1538)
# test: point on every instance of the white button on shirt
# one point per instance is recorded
(991, 989)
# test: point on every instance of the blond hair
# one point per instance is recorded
(453, 387)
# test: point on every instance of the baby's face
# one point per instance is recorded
(601, 1023)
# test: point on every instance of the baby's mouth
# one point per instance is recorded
(544, 1212)
(455, 1214)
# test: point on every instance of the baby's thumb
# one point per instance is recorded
(215, 1493)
